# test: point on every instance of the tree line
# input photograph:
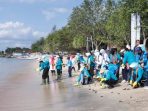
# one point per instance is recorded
(96, 22)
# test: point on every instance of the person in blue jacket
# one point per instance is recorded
(91, 63)
(78, 61)
(128, 59)
(44, 65)
(84, 74)
(113, 68)
(59, 67)
(109, 78)
(115, 59)
(145, 66)
(137, 74)
(69, 64)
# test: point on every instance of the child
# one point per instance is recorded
(52, 65)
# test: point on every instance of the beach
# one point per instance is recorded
(22, 92)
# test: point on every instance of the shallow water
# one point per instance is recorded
(10, 66)
(23, 92)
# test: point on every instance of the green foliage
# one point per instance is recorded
(17, 50)
(106, 21)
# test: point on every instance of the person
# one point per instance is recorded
(91, 64)
(105, 57)
(137, 47)
(137, 74)
(145, 66)
(115, 59)
(128, 59)
(69, 64)
(108, 77)
(84, 74)
(52, 65)
(73, 62)
(78, 61)
(44, 65)
(59, 67)
(124, 68)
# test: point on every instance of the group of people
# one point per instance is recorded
(107, 65)
(52, 63)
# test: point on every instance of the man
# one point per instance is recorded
(137, 51)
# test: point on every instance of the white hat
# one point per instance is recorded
(102, 51)
(87, 54)
(134, 65)
(122, 50)
(128, 47)
(58, 56)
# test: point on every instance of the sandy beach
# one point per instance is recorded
(23, 92)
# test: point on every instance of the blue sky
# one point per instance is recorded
(22, 22)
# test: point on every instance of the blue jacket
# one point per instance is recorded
(129, 57)
(44, 65)
(113, 68)
(138, 57)
(91, 60)
(145, 60)
(117, 57)
(138, 73)
(69, 63)
(59, 64)
(110, 76)
(85, 72)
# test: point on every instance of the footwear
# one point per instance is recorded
(77, 84)
(43, 82)
(48, 82)
(123, 81)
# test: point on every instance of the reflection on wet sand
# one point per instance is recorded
(23, 92)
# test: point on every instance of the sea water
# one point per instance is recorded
(10, 66)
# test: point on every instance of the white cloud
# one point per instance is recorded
(12, 33)
(60, 10)
(52, 13)
(48, 14)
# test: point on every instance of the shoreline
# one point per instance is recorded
(23, 92)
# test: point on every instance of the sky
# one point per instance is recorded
(22, 22)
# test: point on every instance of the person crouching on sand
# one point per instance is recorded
(108, 78)
(136, 76)
(84, 77)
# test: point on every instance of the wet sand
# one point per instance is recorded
(23, 92)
